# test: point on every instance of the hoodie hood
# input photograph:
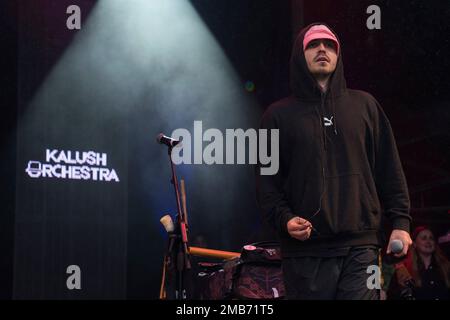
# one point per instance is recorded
(303, 84)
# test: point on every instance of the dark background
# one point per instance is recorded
(404, 65)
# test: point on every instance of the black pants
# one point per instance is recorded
(341, 278)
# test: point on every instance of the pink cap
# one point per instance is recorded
(319, 31)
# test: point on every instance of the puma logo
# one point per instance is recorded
(328, 122)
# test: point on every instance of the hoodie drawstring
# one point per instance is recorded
(333, 106)
(322, 127)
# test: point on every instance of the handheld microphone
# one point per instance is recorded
(168, 141)
(396, 246)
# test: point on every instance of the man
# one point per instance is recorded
(338, 164)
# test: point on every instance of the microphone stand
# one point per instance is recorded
(179, 251)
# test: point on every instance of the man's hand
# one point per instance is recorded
(404, 237)
(299, 228)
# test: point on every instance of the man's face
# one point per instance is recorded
(321, 57)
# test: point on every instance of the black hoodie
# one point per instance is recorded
(340, 177)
